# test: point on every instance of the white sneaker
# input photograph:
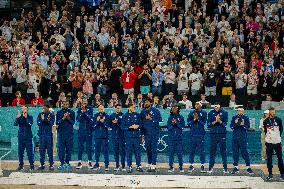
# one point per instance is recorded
(210, 171)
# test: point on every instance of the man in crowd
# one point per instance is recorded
(65, 119)
(240, 124)
(150, 119)
(85, 119)
(196, 121)
(25, 137)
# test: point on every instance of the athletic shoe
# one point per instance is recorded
(249, 170)
(96, 168)
(129, 169)
(210, 171)
(149, 168)
(123, 169)
(181, 170)
(269, 178)
(191, 169)
(235, 170)
(79, 165)
(225, 171)
(40, 168)
(32, 167)
(202, 169)
(282, 178)
(116, 168)
(106, 168)
(68, 166)
(139, 169)
(61, 167)
(171, 170)
(51, 168)
(20, 168)
(90, 166)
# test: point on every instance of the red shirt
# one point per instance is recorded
(38, 101)
(128, 79)
(21, 102)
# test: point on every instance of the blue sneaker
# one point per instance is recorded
(61, 167)
(68, 166)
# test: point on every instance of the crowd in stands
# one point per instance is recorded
(173, 51)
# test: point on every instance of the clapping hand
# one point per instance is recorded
(148, 117)
(42, 116)
(114, 120)
(195, 116)
(19, 114)
(134, 126)
(236, 121)
(174, 121)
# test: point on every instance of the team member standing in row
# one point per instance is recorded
(101, 126)
(85, 119)
(131, 125)
(118, 140)
(151, 118)
(273, 129)
(175, 125)
(25, 137)
(240, 124)
(45, 121)
(217, 121)
(65, 121)
(196, 122)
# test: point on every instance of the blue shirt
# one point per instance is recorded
(175, 130)
(85, 120)
(45, 125)
(25, 125)
(197, 127)
(65, 126)
(117, 132)
(217, 128)
(157, 79)
(151, 127)
(129, 119)
(101, 128)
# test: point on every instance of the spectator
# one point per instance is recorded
(170, 80)
(21, 77)
(98, 101)
(183, 81)
(210, 81)
(157, 81)
(241, 82)
(76, 79)
(18, 101)
(6, 77)
(114, 101)
(61, 99)
(139, 102)
(187, 103)
(169, 101)
(79, 101)
(204, 102)
(37, 101)
(156, 102)
(195, 80)
(130, 99)
(145, 80)
(128, 78)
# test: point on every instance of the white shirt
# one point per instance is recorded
(187, 103)
(196, 79)
(170, 78)
(241, 81)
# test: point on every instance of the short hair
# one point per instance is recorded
(148, 99)
(271, 108)
(117, 105)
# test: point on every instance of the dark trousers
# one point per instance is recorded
(25, 143)
(46, 144)
(151, 145)
(175, 147)
(88, 140)
(240, 144)
(133, 146)
(99, 143)
(119, 149)
(215, 140)
(269, 152)
(65, 145)
(196, 143)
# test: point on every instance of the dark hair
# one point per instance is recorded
(271, 108)
(117, 105)
(148, 99)
(178, 107)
